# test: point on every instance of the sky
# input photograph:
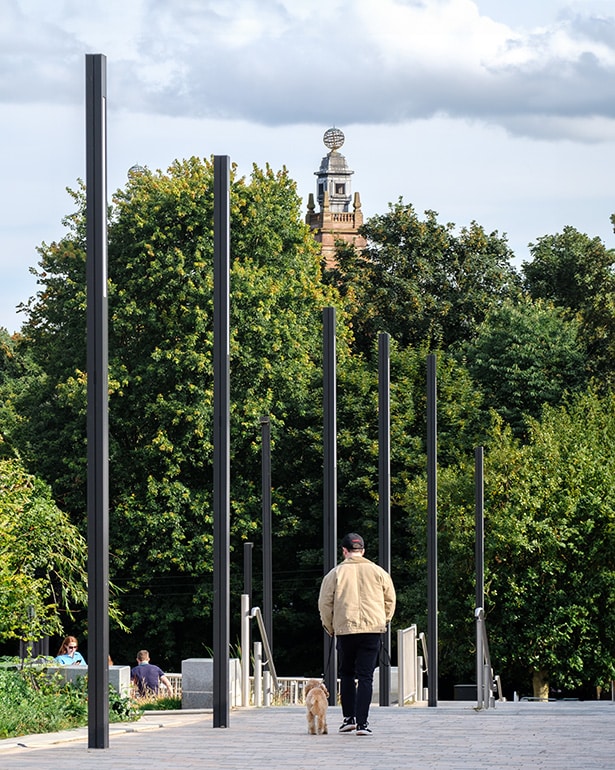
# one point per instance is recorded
(495, 111)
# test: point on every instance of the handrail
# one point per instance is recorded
(423, 639)
(256, 613)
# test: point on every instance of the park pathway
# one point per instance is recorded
(451, 736)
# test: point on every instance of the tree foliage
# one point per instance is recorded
(550, 546)
(421, 281)
(576, 273)
(161, 379)
(525, 355)
(43, 576)
(512, 371)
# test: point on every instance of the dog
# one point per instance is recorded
(316, 701)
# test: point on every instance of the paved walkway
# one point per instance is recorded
(451, 736)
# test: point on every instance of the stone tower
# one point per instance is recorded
(339, 216)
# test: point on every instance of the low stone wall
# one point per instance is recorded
(119, 676)
(198, 683)
(394, 686)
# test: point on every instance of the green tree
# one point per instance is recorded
(549, 553)
(15, 371)
(161, 381)
(549, 548)
(576, 273)
(526, 354)
(43, 575)
(421, 281)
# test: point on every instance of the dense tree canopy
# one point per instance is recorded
(421, 281)
(577, 274)
(513, 364)
(525, 355)
(550, 548)
(161, 378)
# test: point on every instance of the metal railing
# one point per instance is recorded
(291, 691)
(256, 613)
(175, 681)
(265, 680)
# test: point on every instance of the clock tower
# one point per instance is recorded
(339, 216)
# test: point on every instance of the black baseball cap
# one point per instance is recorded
(353, 542)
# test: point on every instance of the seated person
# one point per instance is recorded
(147, 677)
(68, 654)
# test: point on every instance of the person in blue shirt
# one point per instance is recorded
(147, 677)
(68, 655)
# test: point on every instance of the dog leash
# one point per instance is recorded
(329, 656)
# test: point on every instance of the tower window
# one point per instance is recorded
(340, 188)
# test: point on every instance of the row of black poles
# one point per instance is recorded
(97, 426)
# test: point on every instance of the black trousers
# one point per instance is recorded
(357, 658)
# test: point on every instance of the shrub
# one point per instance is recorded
(34, 701)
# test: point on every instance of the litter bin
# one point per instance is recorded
(465, 691)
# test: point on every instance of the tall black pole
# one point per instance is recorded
(384, 498)
(330, 481)
(266, 510)
(479, 516)
(221, 706)
(97, 397)
(247, 570)
(432, 534)
(479, 558)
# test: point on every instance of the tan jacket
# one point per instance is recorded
(356, 597)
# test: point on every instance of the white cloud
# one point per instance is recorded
(434, 36)
(280, 62)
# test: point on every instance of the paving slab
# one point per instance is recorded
(558, 735)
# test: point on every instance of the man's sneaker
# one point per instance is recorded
(348, 725)
(363, 730)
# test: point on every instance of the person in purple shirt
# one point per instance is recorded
(147, 677)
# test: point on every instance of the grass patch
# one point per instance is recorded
(160, 704)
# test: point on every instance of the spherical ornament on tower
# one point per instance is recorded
(333, 138)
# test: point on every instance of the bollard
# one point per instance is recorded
(258, 674)
(245, 647)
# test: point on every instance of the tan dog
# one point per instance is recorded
(316, 701)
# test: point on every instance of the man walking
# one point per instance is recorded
(356, 603)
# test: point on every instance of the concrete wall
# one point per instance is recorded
(198, 683)
(119, 676)
(394, 686)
